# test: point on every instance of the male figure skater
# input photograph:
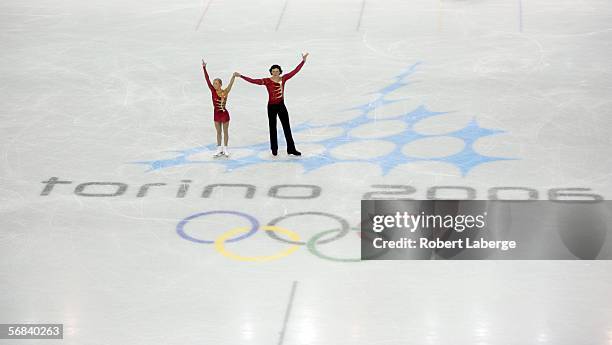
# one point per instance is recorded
(276, 104)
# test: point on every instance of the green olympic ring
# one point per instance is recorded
(312, 246)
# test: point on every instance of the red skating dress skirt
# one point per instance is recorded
(221, 113)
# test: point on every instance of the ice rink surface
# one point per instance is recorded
(424, 99)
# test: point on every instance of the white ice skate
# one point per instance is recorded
(225, 151)
(219, 152)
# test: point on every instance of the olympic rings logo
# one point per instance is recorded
(273, 230)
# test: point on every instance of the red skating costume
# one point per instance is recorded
(220, 113)
(276, 91)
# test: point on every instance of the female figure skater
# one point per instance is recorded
(221, 115)
(276, 104)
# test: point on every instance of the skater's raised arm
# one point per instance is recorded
(231, 83)
(251, 80)
(297, 69)
(210, 86)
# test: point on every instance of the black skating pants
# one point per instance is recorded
(279, 110)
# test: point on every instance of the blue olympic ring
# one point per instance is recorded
(180, 227)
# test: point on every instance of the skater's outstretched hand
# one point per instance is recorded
(203, 63)
(304, 56)
(236, 74)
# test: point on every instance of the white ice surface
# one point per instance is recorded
(90, 86)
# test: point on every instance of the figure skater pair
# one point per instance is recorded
(275, 85)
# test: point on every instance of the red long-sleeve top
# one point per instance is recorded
(219, 101)
(276, 91)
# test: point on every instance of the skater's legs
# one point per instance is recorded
(283, 116)
(272, 112)
(218, 129)
(225, 132)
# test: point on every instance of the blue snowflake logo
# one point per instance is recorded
(465, 160)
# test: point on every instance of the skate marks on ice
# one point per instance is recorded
(203, 14)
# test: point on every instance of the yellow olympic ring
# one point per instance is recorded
(220, 244)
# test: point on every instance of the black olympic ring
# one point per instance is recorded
(344, 227)
(312, 242)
